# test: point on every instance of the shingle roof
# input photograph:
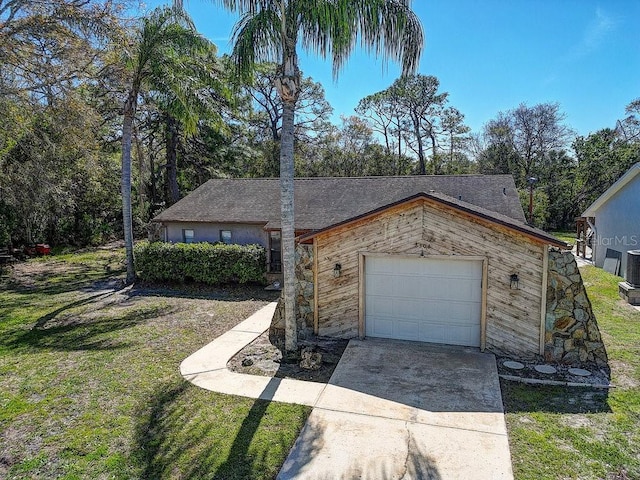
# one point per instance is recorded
(457, 204)
(324, 201)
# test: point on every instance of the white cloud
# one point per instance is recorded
(594, 35)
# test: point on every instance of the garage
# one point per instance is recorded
(431, 299)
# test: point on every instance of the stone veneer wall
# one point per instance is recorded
(304, 299)
(304, 290)
(571, 331)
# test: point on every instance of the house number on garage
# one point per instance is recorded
(422, 245)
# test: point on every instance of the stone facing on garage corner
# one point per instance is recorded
(304, 290)
(304, 300)
(571, 332)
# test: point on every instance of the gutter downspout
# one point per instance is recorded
(595, 242)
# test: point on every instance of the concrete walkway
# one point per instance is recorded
(207, 368)
(392, 409)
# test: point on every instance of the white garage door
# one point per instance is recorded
(423, 299)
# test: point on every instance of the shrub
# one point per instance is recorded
(213, 264)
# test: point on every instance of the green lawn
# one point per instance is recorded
(90, 386)
(566, 236)
(577, 433)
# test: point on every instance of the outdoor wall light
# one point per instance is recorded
(514, 281)
(337, 270)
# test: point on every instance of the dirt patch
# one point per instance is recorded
(624, 375)
(263, 358)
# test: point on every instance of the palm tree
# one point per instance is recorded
(160, 57)
(272, 30)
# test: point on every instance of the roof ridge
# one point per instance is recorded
(367, 177)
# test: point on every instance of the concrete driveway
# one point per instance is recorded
(405, 410)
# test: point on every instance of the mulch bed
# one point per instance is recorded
(263, 358)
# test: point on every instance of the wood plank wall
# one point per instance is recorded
(423, 226)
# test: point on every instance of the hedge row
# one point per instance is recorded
(213, 264)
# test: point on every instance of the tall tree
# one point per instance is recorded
(455, 131)
(265, 118)
(49, 46)
(419, 98)
(603, 157)
(312, 108)
(160, 55)
(386, 116)
(530, 132)
(629, 127)
(201, 96)
(411, 112)
(272, 30)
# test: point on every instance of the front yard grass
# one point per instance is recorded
(578, 433)
(90, 386)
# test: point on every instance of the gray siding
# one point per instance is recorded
(618, 224)
(242, 234)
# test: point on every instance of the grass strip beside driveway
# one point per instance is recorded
(90, 385)
(578, 433)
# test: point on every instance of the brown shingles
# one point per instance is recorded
(324, 201)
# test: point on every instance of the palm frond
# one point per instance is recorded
(388, 28)
(257, 38)
(247, 6)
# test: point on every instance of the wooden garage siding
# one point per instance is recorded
(422, 226)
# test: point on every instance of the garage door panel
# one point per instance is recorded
(431, 300)
(408, 308)
(379, 284)
(438, 309)
(433, 332)
(406, 330)
(462, 312)
(381, 327)
(382, 306)
(382, 266)
(407, 287)
(435, 288)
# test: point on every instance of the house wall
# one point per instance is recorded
(618, 224)
(242, 234)
(513, 317)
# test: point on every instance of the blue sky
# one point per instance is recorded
(492, 55)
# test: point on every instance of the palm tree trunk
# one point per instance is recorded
(127, 223)
(140, 158)
(287, 225)
(288, 86)
(171, 139)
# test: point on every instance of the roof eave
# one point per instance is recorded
(612, 190)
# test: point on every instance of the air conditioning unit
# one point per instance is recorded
(633, 268)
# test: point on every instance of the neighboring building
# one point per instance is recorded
(615, 219)
(444, 259)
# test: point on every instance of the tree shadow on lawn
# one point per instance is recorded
(198, 291)
(43, 320)
(80, 333)
(518, 398)
(76, 277)
(191, 433)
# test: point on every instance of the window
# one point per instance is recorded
(225, 236)
(275, 255)
(187, 236)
